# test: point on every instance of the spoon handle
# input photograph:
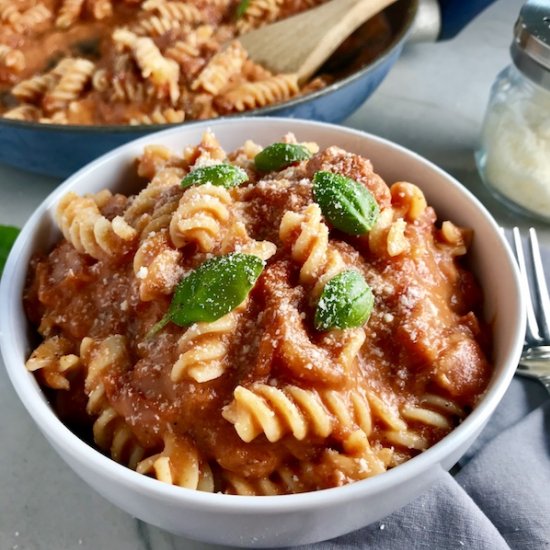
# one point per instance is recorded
(301, 44)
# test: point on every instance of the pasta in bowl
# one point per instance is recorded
(263, 320)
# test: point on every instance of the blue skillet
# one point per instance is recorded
(59, 150)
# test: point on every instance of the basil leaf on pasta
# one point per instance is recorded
(8, 234)
(347, 205)
(280, 155)
(212, 290)
(224, 175)
(346, 301)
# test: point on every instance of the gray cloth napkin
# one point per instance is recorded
(498, 496)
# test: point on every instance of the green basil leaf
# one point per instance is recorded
(224, 175)
(241, 8)
(348, 205)
(8, 234)
(212, 290)
(346, 301)
(280, 155)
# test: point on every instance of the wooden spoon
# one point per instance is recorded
(302, 43)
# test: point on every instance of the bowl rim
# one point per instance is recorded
(57, 433)
(393, 46)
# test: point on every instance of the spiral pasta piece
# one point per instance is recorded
(162, 214)
(408, 201)
(162, 72)
(203, 349)
(176, 11)
(208, 151)
(153, 159)
(283, 480)
(387, 238)
(111, 433)
(160, 116)
(33, 89)
(182, 50)
(219, 70)
(33, 17)
(308, 237)
(100, 357)
(251, 95)
(152, 209)
(397, 431)
(83, 225)
(179, 464)
(456, 238)
(276, 412)
(358, 460)
(23, 112)
(253, 71)
(156, 25)
(262, 249)
(12, 59)
(202, 214)
(131, 90)
(55, 362)
(101, 9)
(157, 267)
(70, 85)
(258, 13)
(59, 117)
(9, 13)
(69, 13)
(433, 410)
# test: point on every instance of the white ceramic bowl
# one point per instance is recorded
(290, 519)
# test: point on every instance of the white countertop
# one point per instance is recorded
(432, 102)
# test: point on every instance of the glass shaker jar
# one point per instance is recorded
(514, 156)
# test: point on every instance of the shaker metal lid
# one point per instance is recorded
(531, 46)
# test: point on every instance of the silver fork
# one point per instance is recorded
(535, 358)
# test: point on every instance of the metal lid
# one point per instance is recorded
(531, 46)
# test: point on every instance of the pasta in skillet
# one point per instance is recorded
(236, 326)
(90, 62)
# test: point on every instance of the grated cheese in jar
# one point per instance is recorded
(514, 158)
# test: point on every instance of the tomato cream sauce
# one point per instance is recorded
(425, 345)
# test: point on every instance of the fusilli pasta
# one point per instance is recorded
(82, 224)
(277, 411)
(203, 349)
(157, 266)
(261, 399)
(54, 361)
(202, 214)
(179, 464)
(111, 433)
(260, 93)
(156, 61)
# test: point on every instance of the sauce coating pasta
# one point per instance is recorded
(140, 62)
(258, 401)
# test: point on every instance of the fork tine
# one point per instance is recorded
(540, 287)
(532, 332)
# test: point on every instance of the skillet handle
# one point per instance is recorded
(443, 19)
(456, 14)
